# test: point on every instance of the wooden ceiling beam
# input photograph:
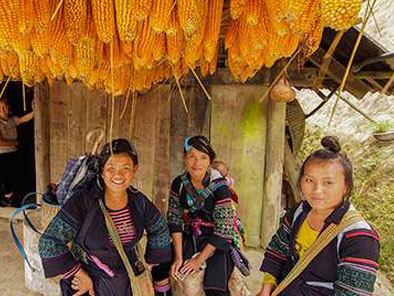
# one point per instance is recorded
(336, 71)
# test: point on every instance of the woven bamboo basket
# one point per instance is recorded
(295, 120)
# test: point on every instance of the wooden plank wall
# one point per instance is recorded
(69, 112)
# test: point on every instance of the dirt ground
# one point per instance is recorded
(12, 279)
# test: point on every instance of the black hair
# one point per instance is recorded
(331, 151)
(119, 146)
(200, 143)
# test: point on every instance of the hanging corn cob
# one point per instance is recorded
(142, 8)
(212, 30)
(340, 14)
(144, 47)
(39, 43)
(174, 39)
(42, 10)
(304, 22)
(104, 19)
(237, 7)
(75, 19)
(28, 67)
(26, 16)
(161, 14)
(194, 47)
(126, 19)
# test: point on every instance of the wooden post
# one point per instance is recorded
(41, 135)
(238, 135)
(273, 170)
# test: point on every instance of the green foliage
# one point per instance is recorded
(373, 192)
(383, 126)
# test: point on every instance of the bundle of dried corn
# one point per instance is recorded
(132, 44)
(264, 31)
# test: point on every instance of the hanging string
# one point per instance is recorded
(24, 96)
(112, 94)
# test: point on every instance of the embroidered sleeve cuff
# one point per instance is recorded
(175, 227)
(219, 242)
(271, 266)
(153, 256)
(72, 272)
(58, 265)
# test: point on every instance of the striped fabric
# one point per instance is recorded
(72, 271)
(124, 225)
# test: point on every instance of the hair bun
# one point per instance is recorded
(331, 143)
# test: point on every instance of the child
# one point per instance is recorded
(222, 168)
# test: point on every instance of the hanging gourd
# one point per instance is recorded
(282, 91)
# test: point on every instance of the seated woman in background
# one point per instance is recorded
(347, 263)
(95, 267)
(200, 218)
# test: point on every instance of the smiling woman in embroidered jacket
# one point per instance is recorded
(347, 266)
(200, 219)
(94, 266)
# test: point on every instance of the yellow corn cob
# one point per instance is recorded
(174, 39)
(340, 14)
(194, 46)
(254, 11)
(104, 19)
(126, 19)
(209, 67)
(276, 16)
(42, 10)
(26, 16)
(75, 19)
(60, 49)
(295, 8)
(9, 62)
(163, 72)
(237, 7)
(10, 37)
(159, 50)
(115, 44)
(39, 43)
(85, 50)
(290, 45)
(190, 16)
(145, 44)
(244, 35)
(161, 13)
(85, 55)
(212, 30)
(232, 34)
(42, 70)
(126, 49)
(1, 74)
(28, 65)
(142, 8)
(304, 23)
(7, 32)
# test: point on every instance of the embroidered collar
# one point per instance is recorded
(198, 198)
(334, 217)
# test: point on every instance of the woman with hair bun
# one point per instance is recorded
(323, 245)
(200, 218)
